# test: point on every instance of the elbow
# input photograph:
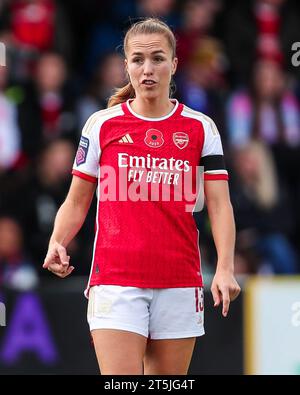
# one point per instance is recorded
(75, 208)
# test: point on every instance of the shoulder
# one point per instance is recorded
(96, 120)
(207, 123)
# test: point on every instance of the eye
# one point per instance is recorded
(158, 59)
(137, 60)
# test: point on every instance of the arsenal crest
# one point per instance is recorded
(180, 139)
(154, 138)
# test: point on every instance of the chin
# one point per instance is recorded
(150, 95)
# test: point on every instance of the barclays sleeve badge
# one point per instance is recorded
(82, 151)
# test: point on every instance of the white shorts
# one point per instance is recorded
(157, 313)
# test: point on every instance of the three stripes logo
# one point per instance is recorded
(126, 139)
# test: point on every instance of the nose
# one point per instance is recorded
(148, 67)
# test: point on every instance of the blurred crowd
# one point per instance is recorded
(63, 61)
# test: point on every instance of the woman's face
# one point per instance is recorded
(51, 73)
(150, 65)
(112, 72)
(247, 164)
(10, 237)
(269, 80)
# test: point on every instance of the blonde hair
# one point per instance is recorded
(266, 185)
(145, 26)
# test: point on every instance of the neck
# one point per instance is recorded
(152, 108)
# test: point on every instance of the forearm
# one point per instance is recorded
(223, 230)
(68, 222)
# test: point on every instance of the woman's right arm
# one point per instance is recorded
(69, 219)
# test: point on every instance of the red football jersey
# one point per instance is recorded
(146, 170)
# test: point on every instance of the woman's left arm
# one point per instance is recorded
(224, 286)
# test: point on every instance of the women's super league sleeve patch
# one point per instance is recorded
(82, 150)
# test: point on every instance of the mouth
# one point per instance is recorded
(148, 82)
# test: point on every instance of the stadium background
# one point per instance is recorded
(235, 64)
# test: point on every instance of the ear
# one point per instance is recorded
(174, 65)
(126, 69)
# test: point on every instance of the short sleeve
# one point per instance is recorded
(212, 158)
(86, 163)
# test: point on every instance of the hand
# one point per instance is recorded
(224, 289)
(57, 261)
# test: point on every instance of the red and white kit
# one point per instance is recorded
(143, 239)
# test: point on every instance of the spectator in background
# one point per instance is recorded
(269, 112)
(44, 192)
(32, 23)
(260, 29)
(197, 23)
(262, 212)
(200, 80)
(47, 110)
(202, 85)
(16, 269)
(108, 76)
(35, 27)
(10, 136)
(42, 187)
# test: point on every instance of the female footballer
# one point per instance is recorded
(142, 153)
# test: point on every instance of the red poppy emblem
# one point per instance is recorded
(154, 138)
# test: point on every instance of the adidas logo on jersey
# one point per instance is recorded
(126, 139)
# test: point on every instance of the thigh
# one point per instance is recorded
(119, 318)
(168, 356)
(119, 352)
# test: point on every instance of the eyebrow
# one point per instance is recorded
(152, 53)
